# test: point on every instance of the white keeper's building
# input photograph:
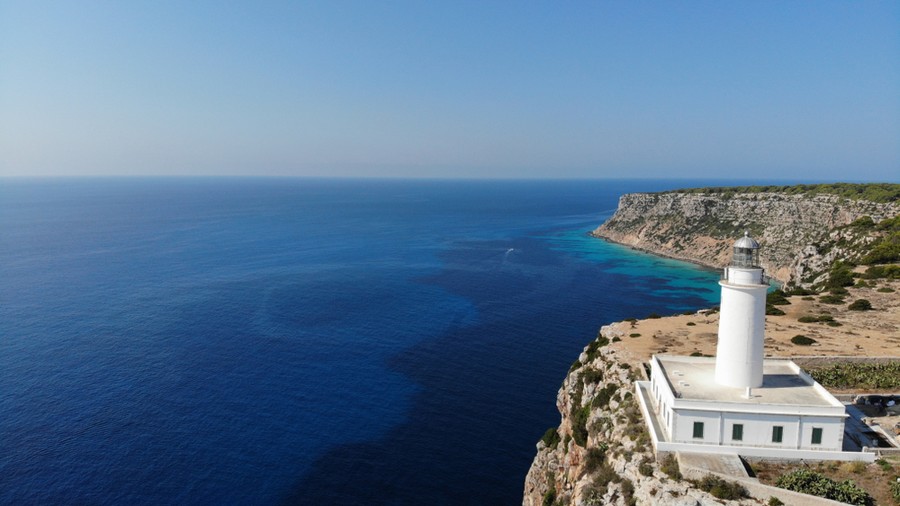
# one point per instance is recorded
(738, 402)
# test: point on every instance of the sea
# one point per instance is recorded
(302, 341)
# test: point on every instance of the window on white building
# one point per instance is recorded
(737, 432)
(698, 430)
(817, 435)
(777, 433)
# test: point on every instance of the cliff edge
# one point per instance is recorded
(801, 234)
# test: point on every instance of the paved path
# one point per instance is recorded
(729, 465)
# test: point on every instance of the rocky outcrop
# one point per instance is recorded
(601, 451)
(800, 235)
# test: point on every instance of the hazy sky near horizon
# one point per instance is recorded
(748, 90)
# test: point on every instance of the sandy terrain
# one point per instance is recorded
(874, 333)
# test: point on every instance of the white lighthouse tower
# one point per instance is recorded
(704, 404)
(742, 320)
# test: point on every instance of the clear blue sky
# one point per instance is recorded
(801, 90)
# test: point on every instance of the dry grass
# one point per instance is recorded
(873, 333)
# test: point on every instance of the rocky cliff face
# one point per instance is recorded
(799, 235)
(601, 452)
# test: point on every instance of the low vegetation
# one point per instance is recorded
(549, 497)
(860, 305)
(777, 298)
(810, 482)
(801, 340)
(551, 438)
(720, 488)
(670, 467)
(831, 299)
(854, 375)
(875, 192)
(595, 458)
(825, 318)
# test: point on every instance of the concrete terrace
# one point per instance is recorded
(693, 378)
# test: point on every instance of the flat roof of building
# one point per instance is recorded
(693, 378)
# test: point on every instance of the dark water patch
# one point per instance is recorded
(488, 389)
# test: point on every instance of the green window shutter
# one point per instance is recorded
(777, 433)
(817, 436)
(698, 430)
(737, 432)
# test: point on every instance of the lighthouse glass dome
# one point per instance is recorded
(746, 252)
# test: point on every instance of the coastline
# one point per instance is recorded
(706, 265)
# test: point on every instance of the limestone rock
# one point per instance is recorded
(796, 232)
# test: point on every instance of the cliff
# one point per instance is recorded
(601, 451)
(601, 454)
(801, 234)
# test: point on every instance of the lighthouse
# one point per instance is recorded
(738, 402)
(742, 319)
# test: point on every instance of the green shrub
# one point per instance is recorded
(634, 335)
(857, 375)
(595, 458)
(691, 324)
(549, 496)
(810, 482)
(628, 492)
(860, 305)
(616, 339)
(589, 375)
(886, 250)
(823, 318)
(593, 348)
(831, 299)
(604, 395)
(645, 467)
(801, 340)
(653, 316)
(840, 275)
(774, 501)
(551, 438)
(579, 425)
(773, 311)
(777, 298)
(721, 489)
(670, 467)
(864, 222)
(885, 289)
(606, 475)
(884, 465)
(883, 272)
(895, 489)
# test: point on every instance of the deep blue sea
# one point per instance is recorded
(301, 341)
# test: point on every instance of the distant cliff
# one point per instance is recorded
(801, 233)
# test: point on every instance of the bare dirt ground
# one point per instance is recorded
(874, 333)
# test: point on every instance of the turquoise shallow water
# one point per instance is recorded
(262, 341)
